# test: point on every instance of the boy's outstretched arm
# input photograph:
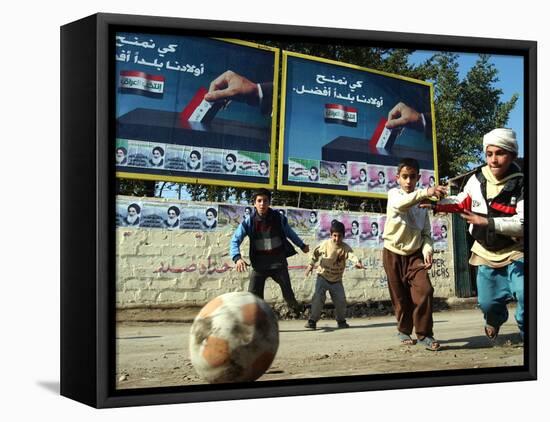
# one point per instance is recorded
(235, 243)
(313, 259)
(402, 203)
(455, 204)
(354, 259)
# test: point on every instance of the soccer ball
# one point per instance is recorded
(234, 338)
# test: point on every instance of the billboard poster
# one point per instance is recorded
(426, 179)
(391, 177)
(199, 218)
(333, 133)
(175, 157)
(439, 233)
(195, 109)
(158, 215)
(376, 178)
(302, 221)
(306, 171)
(233, 215)
(128, 213)
(364, 234)
(333, 173)
(353, 236)
(350, 224)
(357, 176)
(253, 164)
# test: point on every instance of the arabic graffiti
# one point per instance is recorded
(210, 268)
(383, 280)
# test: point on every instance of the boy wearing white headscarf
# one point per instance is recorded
(492, 204)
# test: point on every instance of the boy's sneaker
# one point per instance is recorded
(343, 324)
(311, 324)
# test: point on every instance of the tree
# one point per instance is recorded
(464, 110)
(133, 187)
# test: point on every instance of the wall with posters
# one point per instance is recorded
(176, 253)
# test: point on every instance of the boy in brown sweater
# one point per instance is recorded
(333, 254)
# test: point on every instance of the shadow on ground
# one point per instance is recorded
(352, 326)
(482, 342)
(51, 386)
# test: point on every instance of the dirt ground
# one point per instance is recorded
(156, 354)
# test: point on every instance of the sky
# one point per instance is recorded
(510, 75)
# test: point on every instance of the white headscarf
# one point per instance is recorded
(502, 138)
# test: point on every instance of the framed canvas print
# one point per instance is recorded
(269, 210)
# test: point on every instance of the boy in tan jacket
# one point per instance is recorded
(333, 254)
(407, 256)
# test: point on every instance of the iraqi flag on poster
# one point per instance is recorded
(140, 83)
(336, 113)
(384, 137)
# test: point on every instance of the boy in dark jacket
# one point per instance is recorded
(492, 204)
(268, 231)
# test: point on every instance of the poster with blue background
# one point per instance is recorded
(336, 112)
(167, 130)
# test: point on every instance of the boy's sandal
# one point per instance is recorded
(405, 339)
(430, 343)
(491, 332)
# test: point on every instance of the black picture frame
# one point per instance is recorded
(88, 192)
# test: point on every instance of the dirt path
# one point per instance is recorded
(156, 354)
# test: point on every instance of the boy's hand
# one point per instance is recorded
(241, 265)
(428, 261)
(476, 220)
(305, 249)
(309, 269)
(437, 191)
(360, 266)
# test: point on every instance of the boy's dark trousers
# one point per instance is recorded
(411, 292)
(282, 278)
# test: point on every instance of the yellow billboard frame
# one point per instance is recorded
(328, 191)
(220, 182)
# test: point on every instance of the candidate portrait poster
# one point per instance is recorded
(167, 130)
(128, 213)
(333, 136)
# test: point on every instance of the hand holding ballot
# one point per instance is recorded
(402, 115)
(231, 86)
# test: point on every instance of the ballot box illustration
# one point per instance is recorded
(345, 148)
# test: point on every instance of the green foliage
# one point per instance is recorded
(464, 110)
(135, 187)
